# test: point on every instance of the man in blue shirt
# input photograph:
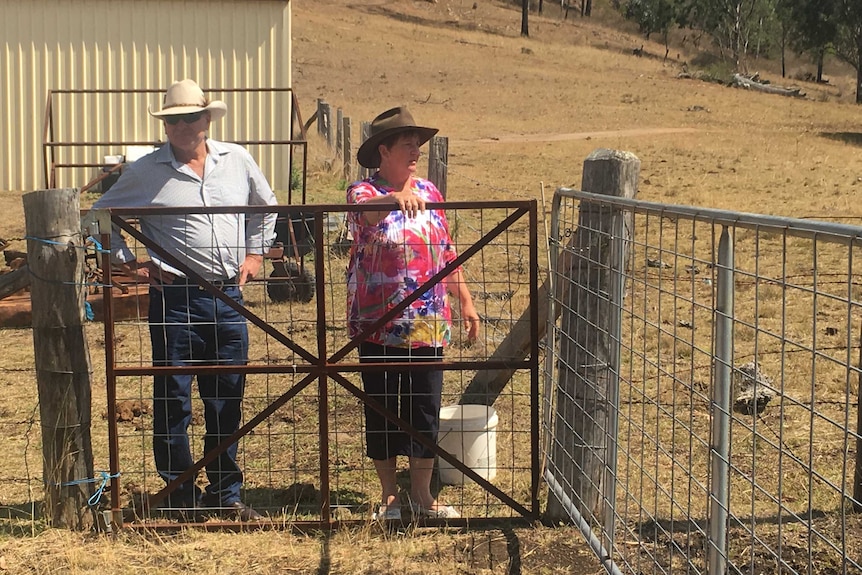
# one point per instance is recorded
(189, 326)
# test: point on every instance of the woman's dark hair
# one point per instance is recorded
(389, 141)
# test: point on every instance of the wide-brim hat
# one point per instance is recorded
(186, 97)
(387, 124)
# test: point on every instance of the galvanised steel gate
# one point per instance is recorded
(721, 434)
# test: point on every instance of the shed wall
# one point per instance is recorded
(135, 44)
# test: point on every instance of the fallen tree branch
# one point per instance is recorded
(740, 81)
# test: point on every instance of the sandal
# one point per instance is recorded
(442, 511)
(387, 513)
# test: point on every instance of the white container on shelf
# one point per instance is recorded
(137, 152)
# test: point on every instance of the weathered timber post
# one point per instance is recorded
(364, 133)
(324, 121)
(347, 148)
(339, 133)
(486, 385)
(57, 293)
(438, 160)
(584, 444)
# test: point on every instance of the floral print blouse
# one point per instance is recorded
(390, 260)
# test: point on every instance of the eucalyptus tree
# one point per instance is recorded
(735, 25)
(821, 26)
(848, 39)
(812, 27)
(652, 16)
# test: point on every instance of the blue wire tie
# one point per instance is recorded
(96, 242)
(98, 245)
(46, 241)
(97, 496)
(104, 477)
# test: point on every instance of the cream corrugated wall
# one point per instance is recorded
(135, 44)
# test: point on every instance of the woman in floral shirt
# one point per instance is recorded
(395, 251)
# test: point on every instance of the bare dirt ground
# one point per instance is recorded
(521, 114)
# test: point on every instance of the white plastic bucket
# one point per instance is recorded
(469, 432)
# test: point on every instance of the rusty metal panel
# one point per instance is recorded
(302, 438)
(134, 44)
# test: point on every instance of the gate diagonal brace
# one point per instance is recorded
(435, 279)
(197, 278)
(156, 498)
(209, 456)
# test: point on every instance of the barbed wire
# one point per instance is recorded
(8, 241)
(68, 283)
(31, 422)
(89, 244)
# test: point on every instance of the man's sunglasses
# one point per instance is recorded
(187, 118)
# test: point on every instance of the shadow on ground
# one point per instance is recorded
(852, 138)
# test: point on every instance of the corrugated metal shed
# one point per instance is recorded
(136, 44)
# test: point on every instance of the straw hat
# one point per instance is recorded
(387, 124)
(186, 97)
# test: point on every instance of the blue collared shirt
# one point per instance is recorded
(213, 245)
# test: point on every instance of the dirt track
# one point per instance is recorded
(589, 135)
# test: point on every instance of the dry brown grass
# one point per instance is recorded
(519, 113)
(360, 552)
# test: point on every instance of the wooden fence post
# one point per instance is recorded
(438, 160)
(588, 366)
(339, 133)
(347, 149)
(486, 385)
(57, 293)
(324, 121)
(364, 133)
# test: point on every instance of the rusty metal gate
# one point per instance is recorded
(302, 370)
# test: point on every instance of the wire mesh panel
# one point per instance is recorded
(728, 440)
(302, 443)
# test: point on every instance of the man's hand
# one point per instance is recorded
(148, 272)
(249, 268)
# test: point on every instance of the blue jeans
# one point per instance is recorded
(188, 326)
